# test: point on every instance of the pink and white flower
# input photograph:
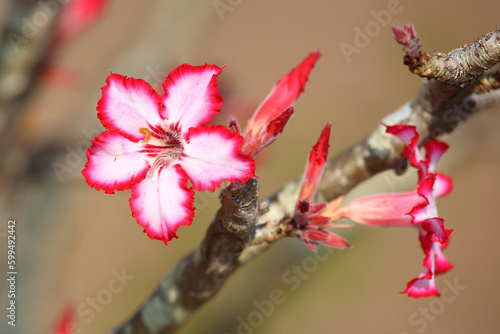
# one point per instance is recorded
(311, 222)
(156, 143)
(434, 237)
(412, 209)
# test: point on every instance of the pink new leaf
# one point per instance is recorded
(404, 35)
(407, 37)
(272, 115)
(283, 95)
(315, 165)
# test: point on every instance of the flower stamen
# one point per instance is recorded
(165, 147)
(147, 135)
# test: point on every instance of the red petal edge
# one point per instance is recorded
(153, 219)
(128, 104)
(189, 100)
(92, 168)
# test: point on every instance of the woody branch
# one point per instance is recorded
(443, 102)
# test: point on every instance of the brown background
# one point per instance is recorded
(71, 237)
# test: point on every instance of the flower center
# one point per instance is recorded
(163, 145)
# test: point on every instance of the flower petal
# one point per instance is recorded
(427, 208)
(128, 104)
(436, 232)
(114, 163)
(332, 209)
(162, 202)
(315, 165)
(408, 134)
(212, 154)
(426, 214)
(383, 210)
(318, 220)
(434, 150)
(283, 95)
(191, 98)
(422, 286)
(315, 208)
(436, 259)
(443, 185)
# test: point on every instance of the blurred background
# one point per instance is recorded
(73, 241)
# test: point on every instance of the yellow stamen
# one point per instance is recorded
(145, 132)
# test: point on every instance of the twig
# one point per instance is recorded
(459, 66)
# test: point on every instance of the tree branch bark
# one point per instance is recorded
(460, 66)
(198, 277)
